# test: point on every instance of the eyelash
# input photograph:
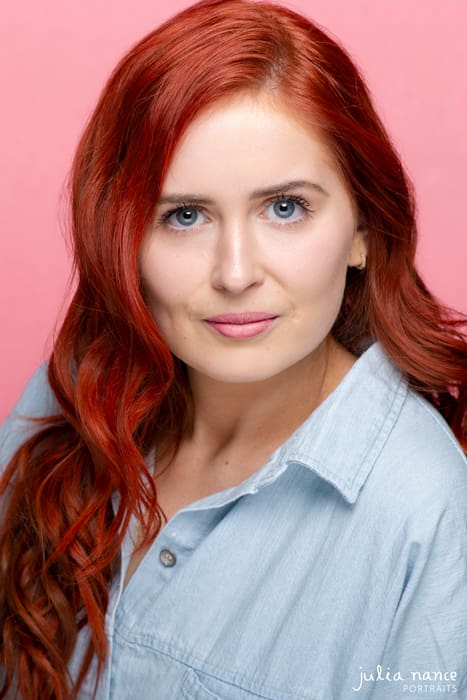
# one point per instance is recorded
(278, 198)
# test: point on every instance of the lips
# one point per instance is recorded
(241, 318)
(241, 325)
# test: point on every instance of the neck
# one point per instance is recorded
(234, 416)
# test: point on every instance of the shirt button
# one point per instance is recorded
(167, 557)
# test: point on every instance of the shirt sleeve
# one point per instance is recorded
(426, 652)
(36, 400)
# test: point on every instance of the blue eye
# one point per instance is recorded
(287, 209)
(183, 217)
(284, 209)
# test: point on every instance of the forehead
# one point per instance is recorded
(249, 139)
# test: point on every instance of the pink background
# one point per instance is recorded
(55, 57)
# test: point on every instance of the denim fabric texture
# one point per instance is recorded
(338, 570)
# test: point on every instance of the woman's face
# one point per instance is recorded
(244, 266)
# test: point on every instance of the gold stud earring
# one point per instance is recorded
(363, 263)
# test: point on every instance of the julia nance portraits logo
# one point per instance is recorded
(415, 682)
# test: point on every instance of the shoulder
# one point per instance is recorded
(420, 474)
(37, 400)
(384, 447)
(423, 448)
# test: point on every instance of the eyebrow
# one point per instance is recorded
(280, 188)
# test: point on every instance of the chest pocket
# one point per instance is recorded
(197, 686)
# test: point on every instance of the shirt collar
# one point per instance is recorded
(342, 438)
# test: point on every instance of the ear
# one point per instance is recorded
(359, 249)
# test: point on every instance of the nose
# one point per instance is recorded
(237, 264)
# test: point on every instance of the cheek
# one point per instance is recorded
(155, 277)
(321, 265)
(319, 284)
(168, 280)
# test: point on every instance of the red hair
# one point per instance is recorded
(119, 388)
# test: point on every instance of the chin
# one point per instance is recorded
(228, 373)
(235, 377)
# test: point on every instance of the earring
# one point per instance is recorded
(363, 263)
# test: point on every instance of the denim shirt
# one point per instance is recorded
(338, 570)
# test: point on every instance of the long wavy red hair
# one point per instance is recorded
(119, 388)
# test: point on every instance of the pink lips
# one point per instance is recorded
(242, 325)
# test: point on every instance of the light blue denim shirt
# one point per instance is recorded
(336, 571)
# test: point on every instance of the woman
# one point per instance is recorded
(243, 475)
